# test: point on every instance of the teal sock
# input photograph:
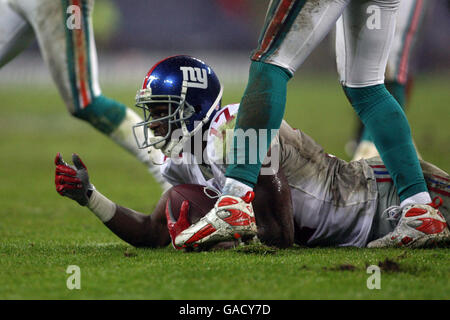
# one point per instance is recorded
(262, 107)
(389, 128)
(103, 114)
(398, 91)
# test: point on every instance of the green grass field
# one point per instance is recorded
(41, 233)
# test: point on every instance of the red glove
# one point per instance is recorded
(72, 181)
(176, 227)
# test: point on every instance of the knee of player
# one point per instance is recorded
(102, 113)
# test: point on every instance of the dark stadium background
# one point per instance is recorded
(222, 32)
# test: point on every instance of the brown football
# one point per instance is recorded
(201, 200)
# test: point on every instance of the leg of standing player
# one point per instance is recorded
(364, 34)
(15, 33)
(68, 48)
(397, 76)
(291, 31)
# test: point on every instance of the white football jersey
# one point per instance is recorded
(334, 201)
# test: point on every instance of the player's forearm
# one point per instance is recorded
(133, 227)
(282, 207)
(273, 210)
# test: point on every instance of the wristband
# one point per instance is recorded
(101, 206)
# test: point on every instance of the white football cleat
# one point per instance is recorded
(419, 226)
(231, 218)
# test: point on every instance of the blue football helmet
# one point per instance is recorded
(193, 94)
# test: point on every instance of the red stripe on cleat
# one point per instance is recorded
(202, 233)
(237, 218)
(415, 212)
(227, 202)
(431, 226)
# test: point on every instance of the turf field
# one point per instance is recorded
(41, 233)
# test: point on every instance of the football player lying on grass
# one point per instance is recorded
(305, 195)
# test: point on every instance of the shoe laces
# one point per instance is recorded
(393, 213)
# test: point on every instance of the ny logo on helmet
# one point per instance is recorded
(195, 77)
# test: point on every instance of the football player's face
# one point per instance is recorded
(159, 128)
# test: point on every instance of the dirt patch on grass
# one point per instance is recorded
(389, 265)
(129, 253)
(341, 267)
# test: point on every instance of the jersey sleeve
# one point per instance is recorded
(219, 140)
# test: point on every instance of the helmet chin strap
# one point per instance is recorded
(157, 142)
(166, 147)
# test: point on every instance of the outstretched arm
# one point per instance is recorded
(135, 228)
(141, 230)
